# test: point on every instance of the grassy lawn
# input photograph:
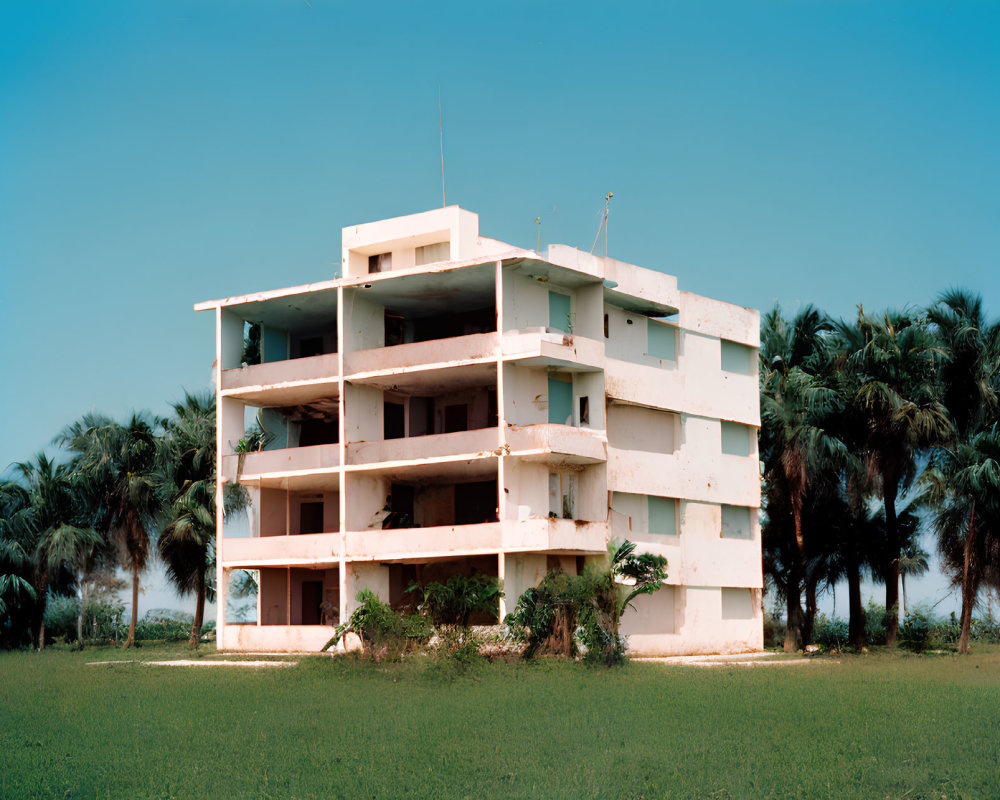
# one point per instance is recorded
(876, 726)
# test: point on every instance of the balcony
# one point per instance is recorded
(541, 348)
(436, 353)
(557, 444)
(416, 448)
(275, 638)
(291, 382)
(268, 463)
(529, 535)
(314, 549)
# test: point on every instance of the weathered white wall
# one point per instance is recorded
(362, 411)
(525, 302)
(367, 495)
(526, 392)
(366, 575)
(521, 572)
(364, 322)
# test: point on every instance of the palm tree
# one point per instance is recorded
(53, 531)
(122, 459)
(17, 591)
(187, 484)
(795, 447)
(894, 359)
(965, 490)
(972, 365)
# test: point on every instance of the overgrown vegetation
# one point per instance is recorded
(385, 634)
(567, 612)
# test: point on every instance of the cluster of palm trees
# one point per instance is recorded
(126, 488)
(872, 430)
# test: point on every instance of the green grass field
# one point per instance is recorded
(876, 726)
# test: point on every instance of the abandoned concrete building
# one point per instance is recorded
(456, 404)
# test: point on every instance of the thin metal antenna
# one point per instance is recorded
(538, 222)
(604, 225)
(444, 200)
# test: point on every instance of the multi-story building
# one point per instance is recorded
(453, 404)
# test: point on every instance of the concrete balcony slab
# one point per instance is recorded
(283, 462)
(291, 382)
(314, 549)
(558, 444)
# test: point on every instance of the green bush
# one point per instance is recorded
(875, 618)
(917, 631)
(985, 629)
(385, 634)
(830, 632)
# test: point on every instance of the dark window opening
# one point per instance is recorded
(400, 507)
(312, 599)
(316, 431)
(395, 330)
(380, 263)
(311, 517)
(584, 410)
(313, 346)
(464, 323)
(476, 502)
(456, 418)
(393, 421)
(606, 326)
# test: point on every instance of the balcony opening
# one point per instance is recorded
(299, 596)
(281, 512)
(403, 328)
(310, 346)
(429, 505)
(562, 495)
(402, 576)
(584, 410)
(426, 415)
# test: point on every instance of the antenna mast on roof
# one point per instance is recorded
(444, 201)
(538, 245)
(604, 224)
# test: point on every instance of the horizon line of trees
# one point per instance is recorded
(874, 430)
(127, 490)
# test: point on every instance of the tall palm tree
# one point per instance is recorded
(895, 358)
(53, 529)
(795, 447)
(123, 460)
(965, 490)
(972, 365)
(187, 484)
(17, 546)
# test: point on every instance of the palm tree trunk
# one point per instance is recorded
(969, 587)
(793, 612)
(79, 616)
(130, 642)
(43, 599)
(199, 611)
(890, 570)
(810, 618)
(855, 609)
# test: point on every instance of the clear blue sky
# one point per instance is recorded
(155, 154)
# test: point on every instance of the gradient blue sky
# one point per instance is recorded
(155, 154)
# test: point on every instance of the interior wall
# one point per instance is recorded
(525, 395)
(274, 596)
(525, 302)
(591, 385)
(364, 322)
(367, 495)
(362, 409)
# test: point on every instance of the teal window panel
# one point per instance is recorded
(737, 358)
(737, 522)
(275, 424)
(735, 439)
(662, 516)
(559, 312)
(274, 344)
(662, 340)
(560, 402)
